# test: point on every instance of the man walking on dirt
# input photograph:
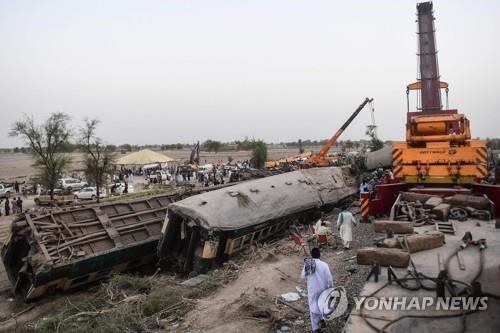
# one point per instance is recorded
(344, 225)
(318, 278)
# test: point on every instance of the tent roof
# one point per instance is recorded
(267, 198)
(143, 157)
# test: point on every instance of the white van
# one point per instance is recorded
(72, 183)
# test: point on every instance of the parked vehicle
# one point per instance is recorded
(165, 176)
(89, 193)
(59, 200)
(5, 190)
(72, 184)
(118, 188)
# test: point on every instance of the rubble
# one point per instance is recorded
(441, 211)
(425, 209)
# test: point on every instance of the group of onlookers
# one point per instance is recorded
(11, 206)
(377, 177)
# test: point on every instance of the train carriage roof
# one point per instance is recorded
(264, 199)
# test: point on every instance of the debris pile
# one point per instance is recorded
(424, 209)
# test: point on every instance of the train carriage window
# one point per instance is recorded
(237, 243)
(247, 239)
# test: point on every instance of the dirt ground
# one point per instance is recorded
(224, 311)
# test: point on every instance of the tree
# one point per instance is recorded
(125, 147)
(211, 145)
(259, 154)
(98, 159)
(301, 147)
(46, 142)
(111, 148)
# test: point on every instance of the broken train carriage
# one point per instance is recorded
(204, 230)
(70, 248)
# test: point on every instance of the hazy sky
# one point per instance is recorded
(181, 71)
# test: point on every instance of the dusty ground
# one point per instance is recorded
(224, 311)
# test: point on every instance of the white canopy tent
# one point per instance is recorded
(143, 157)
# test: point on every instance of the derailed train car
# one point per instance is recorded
(70, 248)
(204, 230)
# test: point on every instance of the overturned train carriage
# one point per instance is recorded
(204, 230)
(70, 248)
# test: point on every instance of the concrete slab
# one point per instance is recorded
(427, 263)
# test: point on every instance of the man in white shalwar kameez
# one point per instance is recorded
(318, 278)
(345, 222)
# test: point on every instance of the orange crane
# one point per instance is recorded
(438, 147)
(321, 159)
(439, 155)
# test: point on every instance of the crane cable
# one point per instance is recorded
(372, 129)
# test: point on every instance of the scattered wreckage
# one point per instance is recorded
(412, 210)
(422, 209)
(204, 230)
(68, 248)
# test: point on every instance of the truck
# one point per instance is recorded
(5, 190)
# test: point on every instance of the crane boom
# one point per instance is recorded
(320, 158)
(427, 56)
(335, 136)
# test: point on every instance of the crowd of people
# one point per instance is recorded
(11, 206)
(377, 177)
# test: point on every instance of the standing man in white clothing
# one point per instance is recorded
(318, 278)
(345, 222)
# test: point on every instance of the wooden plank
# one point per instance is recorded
(37, 237)
(108, 226)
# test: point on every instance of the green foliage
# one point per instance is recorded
(211, 145)
(493, 144)
(48, 143)
(111, 148)
(125, 147)
(259, 154)
(174, 146)
(246, 144)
